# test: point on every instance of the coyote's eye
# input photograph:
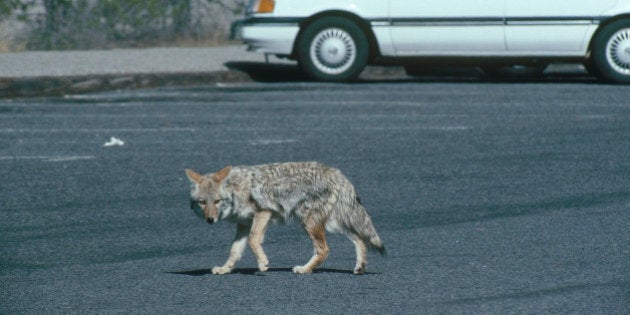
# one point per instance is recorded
(203, 201)
(216, 202)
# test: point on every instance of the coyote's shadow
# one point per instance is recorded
(256, 272)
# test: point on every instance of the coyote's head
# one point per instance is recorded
(205, 193)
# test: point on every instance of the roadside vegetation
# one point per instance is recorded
(104, 24)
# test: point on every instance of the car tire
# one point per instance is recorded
(591, 68)
(333, 49)
(611, 52)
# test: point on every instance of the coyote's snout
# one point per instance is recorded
(319, 197)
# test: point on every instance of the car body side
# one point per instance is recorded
(481, 33)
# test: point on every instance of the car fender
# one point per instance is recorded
(621, 8)
(306, 8)
(619, 11)
(309, 10)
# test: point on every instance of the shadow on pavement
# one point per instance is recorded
(274, 72)
(269, 72)
(256, 272)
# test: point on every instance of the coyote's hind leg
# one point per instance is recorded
(317, 232)
(361, 249)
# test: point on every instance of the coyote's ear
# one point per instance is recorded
(194, 177)
(222, 174)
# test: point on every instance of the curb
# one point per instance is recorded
(57, 86)
(237, 72)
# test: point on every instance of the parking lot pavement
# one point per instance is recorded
(491, 198)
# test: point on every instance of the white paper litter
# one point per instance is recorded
(114, 141)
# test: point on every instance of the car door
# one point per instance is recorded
(552, 27)
(447, 27)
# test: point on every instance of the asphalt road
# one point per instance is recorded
(490, 197)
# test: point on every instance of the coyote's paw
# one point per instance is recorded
(221, 270)
(263, 267)
(359, 269)
(302, 269)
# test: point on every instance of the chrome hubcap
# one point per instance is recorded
(333, 51)
(618, 51)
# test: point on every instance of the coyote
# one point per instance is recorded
(319, 197)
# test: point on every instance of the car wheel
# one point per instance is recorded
(333, 49)
(611, 52)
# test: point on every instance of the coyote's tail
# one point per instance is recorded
(364, 228)
(375, 243)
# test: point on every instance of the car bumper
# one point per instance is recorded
(267, 35)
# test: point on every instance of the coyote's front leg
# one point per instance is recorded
(238, 245)
(257, 236)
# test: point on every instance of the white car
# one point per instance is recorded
(333, 40)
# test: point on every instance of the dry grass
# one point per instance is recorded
(9, 46)
(12, 46)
